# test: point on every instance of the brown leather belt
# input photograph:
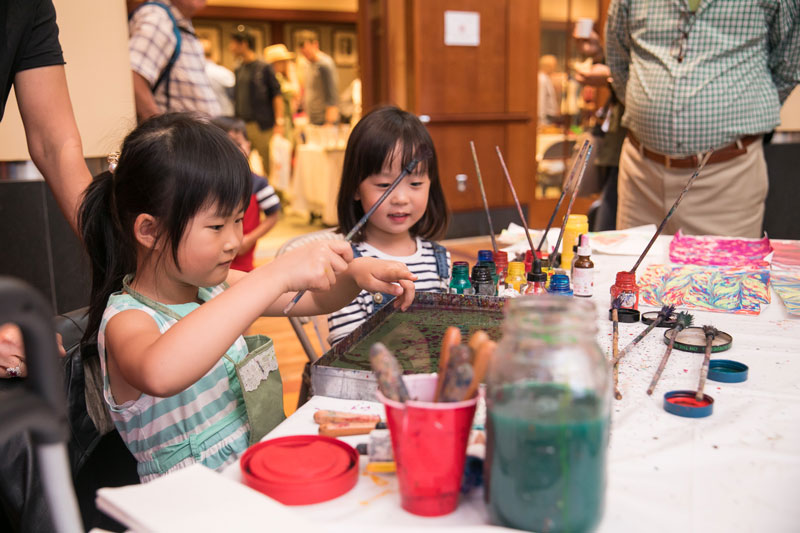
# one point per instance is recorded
(726, 153)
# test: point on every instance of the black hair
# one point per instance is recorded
(229, 124)
(370, 146)
(306, 36)
(170, 167)
(245, 37)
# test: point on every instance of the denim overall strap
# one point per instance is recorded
(440, 253)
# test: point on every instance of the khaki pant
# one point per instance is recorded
(727, 198)
(260, 140)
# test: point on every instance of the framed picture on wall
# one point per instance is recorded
(213, 34)
(345, 48)
(298, 32)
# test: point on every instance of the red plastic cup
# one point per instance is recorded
(430, 444)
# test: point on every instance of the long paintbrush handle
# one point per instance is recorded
(483, 195)
(614, 352)
(584, 164)
(516, 200)
(672, 210)
(636, 341)
(564, 190)
(704, 371)
(663, 364)
(406, 171)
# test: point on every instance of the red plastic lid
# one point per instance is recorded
(301, 469)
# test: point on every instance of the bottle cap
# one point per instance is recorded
(516, 268)
(627, 316)
(536, 273)
(683, 403)
(584, 249)
(484, 255)
(727, 371)
(694, 340)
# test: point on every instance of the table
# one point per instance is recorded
(733, 471)
(317, 175)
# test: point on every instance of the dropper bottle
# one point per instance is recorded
(537, 280)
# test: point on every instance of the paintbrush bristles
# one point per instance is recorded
(684, 320)
(616, 303)
(666, 312)
(710, 332)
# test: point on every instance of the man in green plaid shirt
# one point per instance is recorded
(696, 75)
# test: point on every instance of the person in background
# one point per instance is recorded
(279, 57)
(258, 99)
(696, 76)
(32, 61)
(222, 81)
(549, 101)
(168, 311)
(320, 85)
(608, 131)
(167, 59)
(263, 199)
(401, 229)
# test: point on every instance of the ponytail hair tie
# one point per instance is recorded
(113, 160)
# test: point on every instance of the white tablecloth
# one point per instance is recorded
(736, 470)
(316, 179)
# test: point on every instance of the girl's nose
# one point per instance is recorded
(399, 195)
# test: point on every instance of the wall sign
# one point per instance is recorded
(462, 28)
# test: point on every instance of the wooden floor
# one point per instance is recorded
(289, 351)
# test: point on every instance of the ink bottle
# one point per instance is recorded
(537, 280)
(626, 288)
(459, 281)
(501, 264)
(485, 258)
(548, 401)
(583, 270)
(528, 261)
(515, 279)
(576, 225)
(482, 281)
(559, 284)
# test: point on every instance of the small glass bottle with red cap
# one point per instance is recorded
(626, 288)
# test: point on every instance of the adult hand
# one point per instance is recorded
(598, 75)
(313, 266)
(12, 352)
(391, 277)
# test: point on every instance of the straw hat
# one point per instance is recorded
(277, 52)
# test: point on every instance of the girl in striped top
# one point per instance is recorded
(380, 145)
(161, 230)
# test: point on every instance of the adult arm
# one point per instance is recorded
(146, 106)
(151, 44)
(331, 94)
(275, 97)
(618, 46)
(784, 46)
(52, 135)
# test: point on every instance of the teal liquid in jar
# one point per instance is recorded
(548, 410)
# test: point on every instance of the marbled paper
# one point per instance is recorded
(787, 285)
(720, 251)
(740, 290)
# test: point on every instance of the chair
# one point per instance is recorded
(329, 234)
(552, 164)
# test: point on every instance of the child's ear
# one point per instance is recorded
(145, 229)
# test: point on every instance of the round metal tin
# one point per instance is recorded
(683, 403)
(626, 316)
(301, 469)
(694, 340)
(727, 371)
(650, 316)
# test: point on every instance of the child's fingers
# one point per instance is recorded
(405, 299)
(342, 249)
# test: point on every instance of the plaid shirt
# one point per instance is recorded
(741, 59)
(152, 43)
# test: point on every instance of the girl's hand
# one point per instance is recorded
(12, 352)
(313, 266)
(391, 277)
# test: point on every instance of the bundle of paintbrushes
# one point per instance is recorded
(340, 423)
(462, 367)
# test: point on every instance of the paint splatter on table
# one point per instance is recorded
(739, 290)
(718, 251)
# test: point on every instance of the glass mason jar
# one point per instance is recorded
(548, 402)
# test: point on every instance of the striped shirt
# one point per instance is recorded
(149, 424)
(152, 43)
(422, 264)
(267, 198)
(740, 61)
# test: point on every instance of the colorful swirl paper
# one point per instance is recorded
(719, 251)
(787, 255)
(787, 285)
(740, 290)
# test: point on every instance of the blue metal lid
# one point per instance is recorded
(727, 371)
(683, 403)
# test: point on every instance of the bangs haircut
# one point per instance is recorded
(372, 146)
(173, 166)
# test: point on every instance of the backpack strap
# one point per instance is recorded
(164, 76)
(440, 253)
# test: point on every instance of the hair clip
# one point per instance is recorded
(113, 160)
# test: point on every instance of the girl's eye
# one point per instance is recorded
(216, 227)
(239, 220)
(382, 185)
(417, 183)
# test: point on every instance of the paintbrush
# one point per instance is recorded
(615, 305)
(584, 164)
(564, 190)
(424, 152)
(480, 363)
(710, 332)
(459, 374)
(388, 373)
(451, 337)
(665, 312)
(483, 195)
(683, 321)
(672, 209)
(516, 200)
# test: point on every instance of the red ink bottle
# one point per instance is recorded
(626, 288)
